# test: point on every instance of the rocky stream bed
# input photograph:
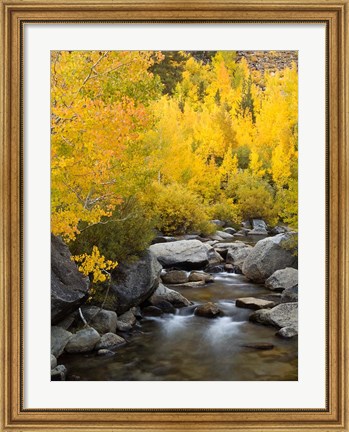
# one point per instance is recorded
(223, 308)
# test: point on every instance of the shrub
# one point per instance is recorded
(120, 238)
(226, 211)
(178, 210)
(254, 197)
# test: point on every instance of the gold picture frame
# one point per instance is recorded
(13, 417)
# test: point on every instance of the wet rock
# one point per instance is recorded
(104, 321)
(282, 279)
(208, 310)
(105, 352)
(287, 333)
(196, 276)
(259, 346)
(53, 361)
(214, 268)
(231, 268)
(175, 277)
(165, 306)
(269, 255)
(59, 373)
(69, 288)
(150, 311)
(290, 295)
(282, 315)
(109, 340)
(253, 303)
(59, 339)
(183, 254)
(189, 285)
(163, 293)
(83, 341)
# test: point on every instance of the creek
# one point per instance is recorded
(187, 347)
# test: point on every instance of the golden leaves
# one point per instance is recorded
(95, 265)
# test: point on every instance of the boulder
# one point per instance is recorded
(59, 373)
(225, 235)
(282, 279)
(197, 276)
(59, 339)
(183, 254)
(214, 257)
(128, 318)
(163, 239)
(175, 277)
(278, 230)
(104, 321)
(215, 237)
(53, 361)
(83, 341)
(123, 327)
(131, 284)
(269, 255)
(222, 248)
(213, 268)
(259, 227)
(165, 306)
(230, 230)
(165, 294)
(230, 268)
(150, 311)
(246, 224)
(109, 340)
(282, 315)
(208, 310)
(287, 332)
(237, 253)
(69, 288)
(68, 320)
(290, 295)
(253, 303)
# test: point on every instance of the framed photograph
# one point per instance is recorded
(175, 209)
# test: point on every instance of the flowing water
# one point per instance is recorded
(188, 347)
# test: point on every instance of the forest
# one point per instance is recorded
(145, 142)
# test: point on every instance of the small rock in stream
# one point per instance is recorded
(253, 303)
(208, 310)
(259, 346)
(149, 311)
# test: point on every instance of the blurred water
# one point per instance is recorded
(188, 347)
